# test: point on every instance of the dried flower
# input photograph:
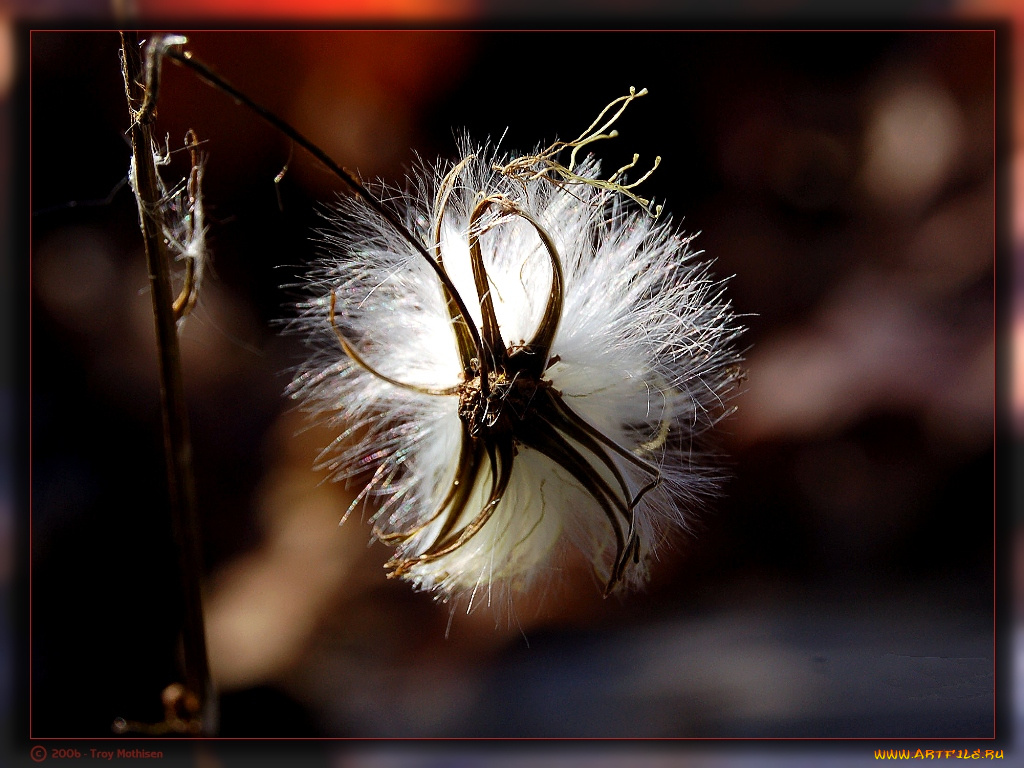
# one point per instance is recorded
(541, 381)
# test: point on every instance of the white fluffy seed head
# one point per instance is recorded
(643, 353)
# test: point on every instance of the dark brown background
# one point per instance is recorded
(842, 586)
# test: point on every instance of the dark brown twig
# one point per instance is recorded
(177, 444)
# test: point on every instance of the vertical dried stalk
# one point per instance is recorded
(177, 444)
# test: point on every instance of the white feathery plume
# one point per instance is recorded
(542, 382)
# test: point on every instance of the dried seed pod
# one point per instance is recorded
(542, 381)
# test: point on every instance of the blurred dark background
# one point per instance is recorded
(841, 586)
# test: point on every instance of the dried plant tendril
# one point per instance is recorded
(543, 164)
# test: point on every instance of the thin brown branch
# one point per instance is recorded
(169, 47)
(177, 444)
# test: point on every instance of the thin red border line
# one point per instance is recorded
(32, 33)
(31, 243)
(995, 378)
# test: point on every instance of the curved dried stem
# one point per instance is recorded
(494, 353)
(359, 360)
(540, 345)
(551, 444)
(501, 455)
(463, 337)
(467, 471)
(170, 48)
(189, 293)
